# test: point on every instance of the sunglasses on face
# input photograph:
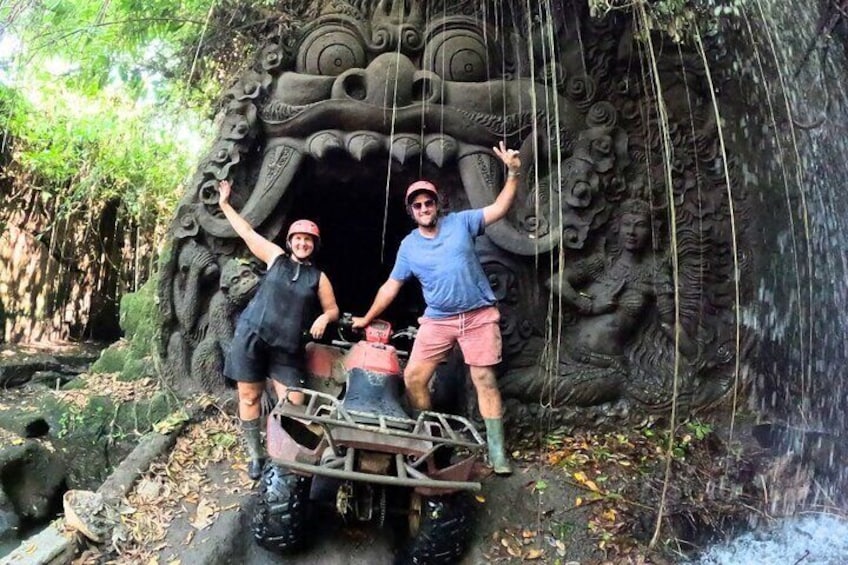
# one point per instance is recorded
(424, 204)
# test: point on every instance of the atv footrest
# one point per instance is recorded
(406, 475)
(434, 427)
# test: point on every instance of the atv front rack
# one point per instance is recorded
(411, 442)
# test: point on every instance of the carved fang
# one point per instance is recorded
(364, 145)
(279, 165)
(405, 148)
(441, 150)
(323, 143)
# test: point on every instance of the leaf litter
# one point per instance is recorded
(597, 491)
(178, 485)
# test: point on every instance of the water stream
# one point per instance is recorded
(811, 539)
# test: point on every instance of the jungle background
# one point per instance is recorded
(106, 107)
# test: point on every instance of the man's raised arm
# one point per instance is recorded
(498, 209)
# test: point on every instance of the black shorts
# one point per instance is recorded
(252, 360)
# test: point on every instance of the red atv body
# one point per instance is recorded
(352, 433)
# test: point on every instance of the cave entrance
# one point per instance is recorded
(348, 201)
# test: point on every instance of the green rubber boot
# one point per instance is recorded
(253, 446)
(495, 441)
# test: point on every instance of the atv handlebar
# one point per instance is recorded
(378, 331)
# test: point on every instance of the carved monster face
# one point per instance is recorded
(339, 114)
(385, 86)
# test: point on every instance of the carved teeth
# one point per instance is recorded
(405, 147)
(442, 150)
(280, 162)
(363, 145)
(482, 177)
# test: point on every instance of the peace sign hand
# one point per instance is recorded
(509, 157)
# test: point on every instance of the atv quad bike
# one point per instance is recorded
(352, 435)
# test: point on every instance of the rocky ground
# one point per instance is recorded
(587, 498)
(63, 427)
(590, 497)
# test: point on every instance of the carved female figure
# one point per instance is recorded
(612, 298)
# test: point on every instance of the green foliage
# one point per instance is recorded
(127, 40)
(156, 49)
(680, 20)
(81, 151)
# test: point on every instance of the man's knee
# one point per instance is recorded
(483, 377)
(417, 375)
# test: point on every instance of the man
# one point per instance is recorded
(460, 303)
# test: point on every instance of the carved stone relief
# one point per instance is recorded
(614, 270)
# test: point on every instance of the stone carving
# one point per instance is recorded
(392, 90)
(609, 299)
(238, 283)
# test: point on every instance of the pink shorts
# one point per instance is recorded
(477, 332)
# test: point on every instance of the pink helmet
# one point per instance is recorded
(304, 226)
(421, 186)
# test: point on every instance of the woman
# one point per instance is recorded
(268, 340)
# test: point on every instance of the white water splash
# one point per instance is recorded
(808, 540)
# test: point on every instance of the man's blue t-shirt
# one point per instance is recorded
(447, 265)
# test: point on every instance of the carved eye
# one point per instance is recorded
(330, 50)
(456, 51)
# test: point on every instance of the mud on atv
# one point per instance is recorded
(352, 435)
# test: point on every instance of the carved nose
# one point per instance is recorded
(388, 81)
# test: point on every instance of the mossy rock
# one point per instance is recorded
(139, 318)
(140, 417)
(96, 437)
(136, 368)
(112, 359)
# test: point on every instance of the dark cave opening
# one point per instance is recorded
(362, 227)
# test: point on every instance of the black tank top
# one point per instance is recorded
(285, 305)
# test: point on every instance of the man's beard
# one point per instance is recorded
(431, 223)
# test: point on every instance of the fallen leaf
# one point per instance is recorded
(534, 554)
(560, 548)
(205, 514)
(480, 498)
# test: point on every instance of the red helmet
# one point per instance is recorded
(304, 226)
(421, 186)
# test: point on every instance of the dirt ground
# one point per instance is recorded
(585, 498)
